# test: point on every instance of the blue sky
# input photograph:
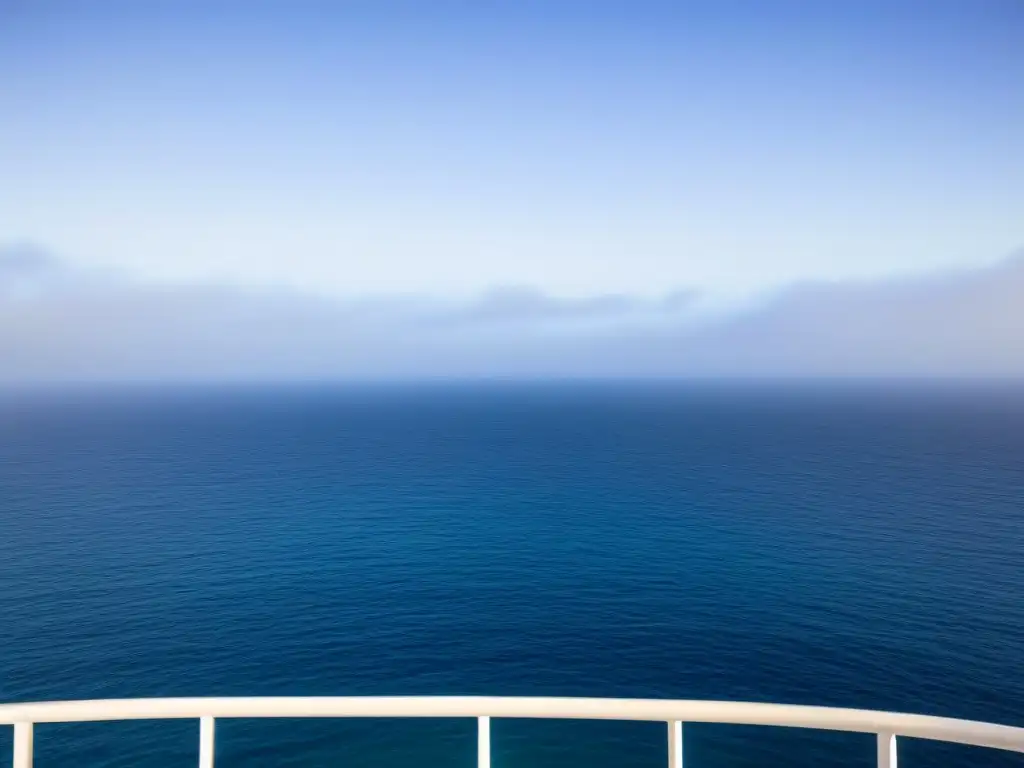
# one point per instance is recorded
(448, 148)
(376, 189)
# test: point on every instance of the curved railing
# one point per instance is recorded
(887, 725)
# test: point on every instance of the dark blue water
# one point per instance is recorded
(855, 547)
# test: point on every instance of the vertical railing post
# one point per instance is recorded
(675, 744)
(483, 744)
(205, 742)
(22, 745)
(887, 750)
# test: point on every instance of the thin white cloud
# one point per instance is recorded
(58, 323)
(964, 323)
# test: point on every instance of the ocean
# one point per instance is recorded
(855, 545)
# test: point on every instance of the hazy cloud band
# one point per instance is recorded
(60, 324)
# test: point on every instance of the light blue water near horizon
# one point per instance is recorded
(852, 545)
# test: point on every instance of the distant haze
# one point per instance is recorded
(62, 324)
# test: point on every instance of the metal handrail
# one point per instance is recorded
(886, 725)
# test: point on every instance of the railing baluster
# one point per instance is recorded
(675, 744)
(887, 750)
(483, 744)
(23, 745)
(205, 742)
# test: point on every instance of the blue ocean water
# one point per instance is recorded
(852, 546)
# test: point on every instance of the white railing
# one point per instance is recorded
(886, 725)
